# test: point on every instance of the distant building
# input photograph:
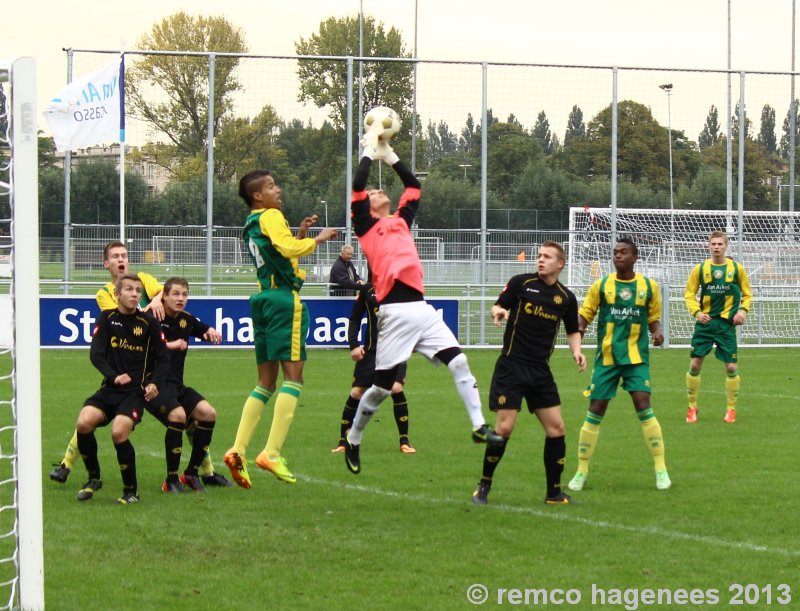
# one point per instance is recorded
(155, 176)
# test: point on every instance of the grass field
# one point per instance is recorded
(403, 534)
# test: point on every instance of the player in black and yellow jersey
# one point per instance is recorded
(129, 350)
(628, 310)
(115, 260)
(534, 306)
(179, 403)
(718, 296)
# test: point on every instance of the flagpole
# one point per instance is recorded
(122, 145)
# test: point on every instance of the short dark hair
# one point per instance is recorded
(630, 243)
(248, 183)
(123, 278)
(110, 245)
(173, 281)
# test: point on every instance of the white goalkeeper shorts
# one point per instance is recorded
(404, 328)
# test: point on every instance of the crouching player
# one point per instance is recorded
(179, 403)
(129, 350)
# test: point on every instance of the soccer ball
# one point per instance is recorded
(382, 123)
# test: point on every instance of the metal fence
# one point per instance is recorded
(470, 264)
(451, 266)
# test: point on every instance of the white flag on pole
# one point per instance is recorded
(89, 110)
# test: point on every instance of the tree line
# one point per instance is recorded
(528, 168)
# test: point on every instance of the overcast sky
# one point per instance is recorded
(674, 34)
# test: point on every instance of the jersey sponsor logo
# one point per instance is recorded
(624, 312)
(625, 293)
(539, 311)
(120, 343)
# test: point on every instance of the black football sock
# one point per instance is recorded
(555, 449)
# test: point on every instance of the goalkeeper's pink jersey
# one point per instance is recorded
(387, 242)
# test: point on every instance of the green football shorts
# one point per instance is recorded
(606, 378)
(280, 325)
(718, 331)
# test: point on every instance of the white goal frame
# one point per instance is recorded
(22, 187)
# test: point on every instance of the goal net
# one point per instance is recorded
(671, 243)
(193, 250)
(21, 550)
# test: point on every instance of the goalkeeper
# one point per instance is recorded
(724, 300)
(406, 323)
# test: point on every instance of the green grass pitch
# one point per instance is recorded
(403, 534)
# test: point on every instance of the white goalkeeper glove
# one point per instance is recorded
(386, 152)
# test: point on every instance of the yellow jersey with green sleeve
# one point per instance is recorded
(624, 309)
(106, 300)
(718, 290)
(274, 250)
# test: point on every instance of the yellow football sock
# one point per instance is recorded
(587, 440)
(732, 383)
(692, 387)
(72, 454)
(651, 430)
(206, 467)
(285, 404)
(251, 415)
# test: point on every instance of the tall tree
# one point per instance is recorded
(766, 135)
(541, 131)
(324, 82)
(170, 92)
(576, 128)
(748, 124)
(467, 139)
(643, 145)
(787, 130)
(441, 141)
(710, 134)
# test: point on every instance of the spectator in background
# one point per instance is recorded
(344, 279)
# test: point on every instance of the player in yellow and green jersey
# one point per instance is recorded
(280, 322)
(628, 310)
(718, 297)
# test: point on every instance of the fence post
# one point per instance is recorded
(665, 307)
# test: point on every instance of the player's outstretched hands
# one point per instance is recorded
(213, 336)
(305, 224)
(580, 359)
(498, 314)
(373, 135)
(156, 307)
(325, 235)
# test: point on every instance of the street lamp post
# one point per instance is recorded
(325, 203)
(668, 90)
(465, 166)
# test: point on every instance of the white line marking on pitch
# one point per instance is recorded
(643, 530)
